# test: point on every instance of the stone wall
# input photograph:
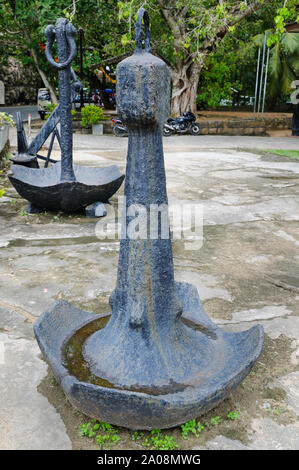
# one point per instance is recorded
(21, 83)
(79, 129)
(244, 126)
(211, 127)
(232, 127)
(2, 93)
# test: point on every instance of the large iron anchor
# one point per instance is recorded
(64, 33)
(28, 153)
(62, 186)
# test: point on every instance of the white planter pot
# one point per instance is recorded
(97, 129)
(3, 136)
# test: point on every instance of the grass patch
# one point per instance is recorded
(106, 436)
(104, 433)
(285, 153)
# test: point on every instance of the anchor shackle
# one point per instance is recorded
(66, 42)
(142, 17)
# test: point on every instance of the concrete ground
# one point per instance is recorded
(246, 273)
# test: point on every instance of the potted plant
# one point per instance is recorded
(91, 115)
(6, 120)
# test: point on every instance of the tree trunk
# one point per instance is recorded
(41, 72)
(184, 91)
(44, 78)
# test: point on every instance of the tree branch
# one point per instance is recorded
(112, 61)
(119, 58)
(210, 43)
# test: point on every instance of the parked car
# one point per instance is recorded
(43, 99)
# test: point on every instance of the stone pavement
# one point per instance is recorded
(92, 142)
(246, 273)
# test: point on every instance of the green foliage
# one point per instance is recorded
(232, 66)
(87, 430)
(2, 192)
(233, 415)
(286, 153)
(104, 433)
(284, 14)
(218, 80)
(159, 441)
(50, 108)
(283, 63)
(137, 436)
(91, 114)
(6, 119)
(191, 427)
(22, 31)
(195, 428)
(185, 34)
(156, 441)
(103, 439)
(5, 156)
(163, 443)
(215, 421)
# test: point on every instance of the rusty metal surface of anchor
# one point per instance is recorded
(157, 360)
(62, 186)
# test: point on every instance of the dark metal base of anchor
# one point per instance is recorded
(32, 209)
(43, 188)
(25, 159)
(224, 359)
(295, 122)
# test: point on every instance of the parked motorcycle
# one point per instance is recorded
(119, 129)
(182, 125)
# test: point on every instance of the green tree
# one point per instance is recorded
(185, 34)
(23, 22)
(22, 29)
(199, 39)
(232, 66)
(283, 64)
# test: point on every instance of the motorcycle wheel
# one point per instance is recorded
(195, 129)
(167, 132)
(119, 132)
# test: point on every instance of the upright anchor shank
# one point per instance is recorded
(65, 34)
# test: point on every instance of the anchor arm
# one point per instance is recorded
(76, 85)
(45, 131)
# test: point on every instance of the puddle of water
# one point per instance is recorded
(20, 242)
(280, 177)
(75, 363)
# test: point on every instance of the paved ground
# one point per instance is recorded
(180, 143)
(24, 110)
(246, 273)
